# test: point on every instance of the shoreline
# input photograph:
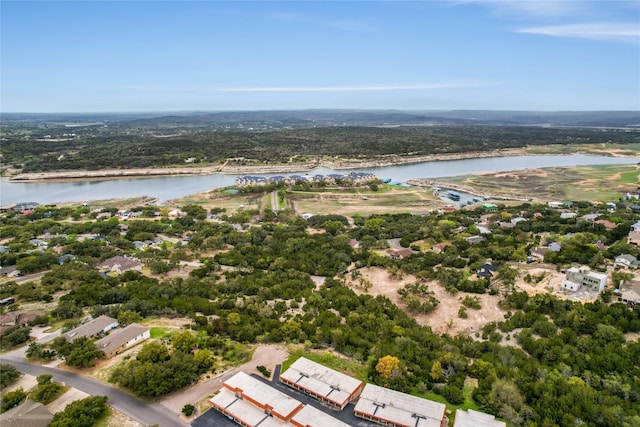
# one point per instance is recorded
(338, 164)
(227, 169)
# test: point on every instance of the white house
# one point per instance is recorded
(626, 261)
(583, 276)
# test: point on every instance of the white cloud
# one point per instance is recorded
(429, 86)
(531, 8)
(629, 32)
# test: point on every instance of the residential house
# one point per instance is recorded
(483, 230)
(121, 339)
(516, 220)
(538, 253)
(486, 271)
(634, 238)
(589, 217)
(176, 213)
(568, 215)
(39, 243)
(440, 247)
(475, 239)
(28, 414)
(626, 261)
(14, 318)
(95, 327)
(119, 264)
(576, 277)
(629, 292)
(490, 207)
(400, 253)
(65, 258)
(607, 224)
(554, 246)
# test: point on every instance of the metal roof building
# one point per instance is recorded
(312, 417)
(251, 402)
(473, 418)
(331, 387)
(393, 408)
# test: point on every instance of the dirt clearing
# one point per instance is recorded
(444, 319)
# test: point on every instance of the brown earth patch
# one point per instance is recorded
(444, 319)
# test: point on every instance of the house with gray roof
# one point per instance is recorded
(119, 264)
(28, 414)
(121, 339)
(95, 327)
(626, 261)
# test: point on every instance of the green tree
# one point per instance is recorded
(12, 399)
(81, 413)
(153, 352)
(183, 342)
(127, 317)
(8, 374)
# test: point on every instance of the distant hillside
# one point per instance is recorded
(267, 120)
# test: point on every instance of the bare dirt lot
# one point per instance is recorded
(444, 319)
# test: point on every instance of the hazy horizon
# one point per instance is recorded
(221, 56)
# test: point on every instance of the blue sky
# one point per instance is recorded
(102, 56)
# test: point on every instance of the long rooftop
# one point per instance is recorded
(400, 408)
(323, 382)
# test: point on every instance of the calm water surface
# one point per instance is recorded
(179, 186)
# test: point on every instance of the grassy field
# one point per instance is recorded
(594, 183)
(388, 199)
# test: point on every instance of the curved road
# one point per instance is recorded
(143, 412)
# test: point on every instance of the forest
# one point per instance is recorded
(96, 148)
(573, 363)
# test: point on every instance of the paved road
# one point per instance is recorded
(143, 412)
(29, 277)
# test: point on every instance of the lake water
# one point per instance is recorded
(179, 186)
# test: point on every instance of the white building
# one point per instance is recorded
(251, 403)
(583, 276)
(331, 387)
(393, 408)
(471, 418)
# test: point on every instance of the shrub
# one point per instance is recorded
(264, 371)
(188, 409)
